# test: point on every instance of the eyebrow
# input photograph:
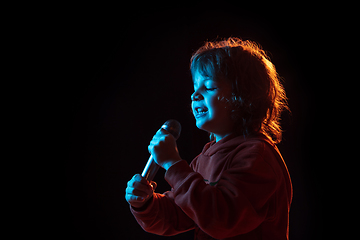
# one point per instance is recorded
(205, 80)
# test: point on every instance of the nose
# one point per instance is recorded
(196, 96)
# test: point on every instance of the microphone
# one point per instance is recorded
(151, 168)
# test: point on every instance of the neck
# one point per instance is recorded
(218, 137)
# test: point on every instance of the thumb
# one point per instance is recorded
(153, 185)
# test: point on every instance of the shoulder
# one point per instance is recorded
(256, 152)
(255, 146)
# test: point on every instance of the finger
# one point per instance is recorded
(146, 188)
(164, 132)
(138, 178)
(138, 193)
(161, 133)
(140, 183)
(157, 140)
(134, 199)
(153, 185)
(150, 148)
(139, 190)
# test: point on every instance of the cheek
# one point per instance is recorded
(219, 108)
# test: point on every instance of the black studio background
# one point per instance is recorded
(127, 73)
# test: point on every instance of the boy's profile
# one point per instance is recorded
(238, 187)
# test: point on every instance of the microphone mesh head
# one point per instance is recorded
(173, 127)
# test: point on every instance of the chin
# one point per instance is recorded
(203, 125)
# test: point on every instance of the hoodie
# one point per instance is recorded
(237, 188)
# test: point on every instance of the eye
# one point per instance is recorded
(210, 89)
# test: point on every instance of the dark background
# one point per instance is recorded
(128, 72)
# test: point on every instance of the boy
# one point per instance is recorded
(239, 186)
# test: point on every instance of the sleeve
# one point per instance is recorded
(237, 204)
(162, 216)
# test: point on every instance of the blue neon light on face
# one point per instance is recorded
(212, 114)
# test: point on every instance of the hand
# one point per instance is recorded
(139, 191)
(163, 149)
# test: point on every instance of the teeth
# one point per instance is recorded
(201, 110)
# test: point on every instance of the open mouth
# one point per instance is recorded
(200, 111)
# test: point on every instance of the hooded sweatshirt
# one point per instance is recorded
(237, 188)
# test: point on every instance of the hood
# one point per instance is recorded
(229, 143)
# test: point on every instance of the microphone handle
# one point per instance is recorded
(150, 169)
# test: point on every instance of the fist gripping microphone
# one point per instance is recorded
(151, 168)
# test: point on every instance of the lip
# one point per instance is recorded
(200, 114)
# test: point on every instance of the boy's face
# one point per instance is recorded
(211, 113)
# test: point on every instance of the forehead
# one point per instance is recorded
(199, 78)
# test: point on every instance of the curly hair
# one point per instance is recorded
(258, 97)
